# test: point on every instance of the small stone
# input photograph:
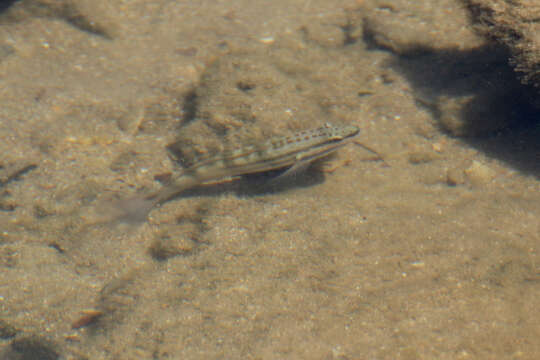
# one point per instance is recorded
(267, 40)
(438, 147)
(421, 157)
(455, 177)
(479, 174)
(88, 317)
(124, 161)
(166, 246)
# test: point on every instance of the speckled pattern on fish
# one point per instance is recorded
(294, 152)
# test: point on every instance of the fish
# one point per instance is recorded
(293, 153)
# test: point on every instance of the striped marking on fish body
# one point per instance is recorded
(274, 154)
(293, 151)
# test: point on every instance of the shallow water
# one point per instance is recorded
(432, 253)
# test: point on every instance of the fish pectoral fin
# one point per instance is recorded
(292, 171)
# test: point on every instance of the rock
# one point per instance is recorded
(479, 173)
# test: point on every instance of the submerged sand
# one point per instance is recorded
(431, 253)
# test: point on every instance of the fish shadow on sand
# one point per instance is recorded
(259, 184)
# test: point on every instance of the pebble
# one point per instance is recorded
(479, 173)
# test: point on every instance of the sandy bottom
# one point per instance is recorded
(433, 253)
